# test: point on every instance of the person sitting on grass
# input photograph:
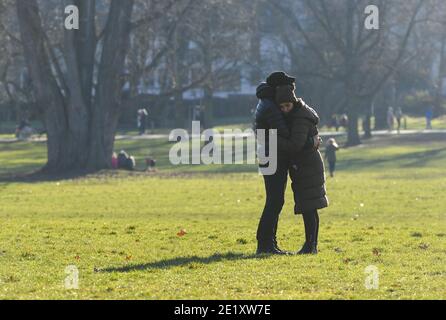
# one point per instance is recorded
(151, 164)
(114, 161)
(126, 162)
(330, 155)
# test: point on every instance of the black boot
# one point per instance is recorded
(311, 221)
(276, 247)
(269, 247)
(308, 248)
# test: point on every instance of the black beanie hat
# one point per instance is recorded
(285, 94)
(264, 91)
(280, 78)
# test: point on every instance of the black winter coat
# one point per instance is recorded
(307, 171)
(268, 116)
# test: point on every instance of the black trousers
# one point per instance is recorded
(275, 187)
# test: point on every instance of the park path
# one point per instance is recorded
(323, 134)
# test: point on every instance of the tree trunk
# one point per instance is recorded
(208, 87)
(44, 85)
(351, 69)
(368, 120)
(382, 104)
(367, 126)
(179, 74)
(438, 104)
(108, 99)
(209, 108)
(353, 138)
(181, 115)
(86, 41)
(80, 127)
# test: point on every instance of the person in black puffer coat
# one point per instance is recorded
(307, 170)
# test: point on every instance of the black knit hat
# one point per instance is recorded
(285, 94)
(265, 91)
(280, 78)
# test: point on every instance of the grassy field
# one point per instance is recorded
(121, 230)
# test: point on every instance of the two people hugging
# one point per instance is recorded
(298, 155)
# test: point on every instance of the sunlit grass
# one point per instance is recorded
(387, 210)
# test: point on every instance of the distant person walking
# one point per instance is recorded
(142, 121)
(390, 119)
(343, 122)
(399, 117)
(330, 155)
(196, 113)
(429, 117)
(24, 130)
(334, 122)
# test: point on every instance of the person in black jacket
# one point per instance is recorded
(268, 116)
(307, 170)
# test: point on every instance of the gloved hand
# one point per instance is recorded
(313, 143)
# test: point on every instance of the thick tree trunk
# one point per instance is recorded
(48, 95)
(107, 108)
(80, 128)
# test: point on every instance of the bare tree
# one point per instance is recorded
(439, 22)
(81, 105)
(362, 60)
(220, 36)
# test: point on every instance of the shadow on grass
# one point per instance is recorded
(406, 160)
(40, 175)
(184, 261)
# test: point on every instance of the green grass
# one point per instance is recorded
(7, 136)
(412, 123)
(387, 210)
(415, 123)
